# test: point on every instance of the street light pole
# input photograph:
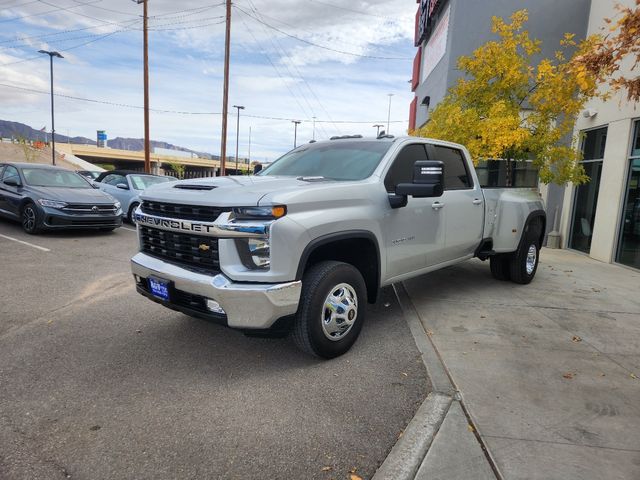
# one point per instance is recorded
(53, 126)
(145, 56)
(378, 125)
(295, 132)
(389, 112)
(313, 137)
(239, 107)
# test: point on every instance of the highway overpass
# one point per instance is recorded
(160, 164)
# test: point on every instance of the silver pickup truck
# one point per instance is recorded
(304, 244)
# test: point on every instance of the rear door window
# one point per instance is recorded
(456, 175)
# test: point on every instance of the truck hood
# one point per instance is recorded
(233, 191)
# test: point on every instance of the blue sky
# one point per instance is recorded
(272, 74)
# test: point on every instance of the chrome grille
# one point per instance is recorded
(183, 212)
(194, 252)
(90, 208)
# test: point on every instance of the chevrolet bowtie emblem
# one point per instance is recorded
(204, 247)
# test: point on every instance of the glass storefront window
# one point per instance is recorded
(629, 247)
(586, 196)
(635, 148)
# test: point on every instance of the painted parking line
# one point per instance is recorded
(130, 229)
(25, 243)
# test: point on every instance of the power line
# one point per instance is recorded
(66, 49)
(55, 10)
(352, 10)
(302, 78)
(62, 32)
(316, 44)
(181, 112)
(276, 45)
(69, 39)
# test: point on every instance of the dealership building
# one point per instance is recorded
(600, 218)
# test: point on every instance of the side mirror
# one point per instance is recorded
(257, 168)
(13, 182)
(428, 181)
(122, 186)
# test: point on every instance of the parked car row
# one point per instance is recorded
(43, 197)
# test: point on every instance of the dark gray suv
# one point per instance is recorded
(44, 197)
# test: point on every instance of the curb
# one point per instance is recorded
(408, 456)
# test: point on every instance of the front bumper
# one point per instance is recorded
(247, 305)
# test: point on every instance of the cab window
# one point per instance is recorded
(402, 169)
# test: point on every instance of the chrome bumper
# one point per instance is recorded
(247, 305)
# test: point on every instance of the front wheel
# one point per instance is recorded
(331, 310)
(525, 261)
(30, 219)
(132, 212)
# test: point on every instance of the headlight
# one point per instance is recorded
(117, 205)
(255, 253)
(52, 203)
(259, 213)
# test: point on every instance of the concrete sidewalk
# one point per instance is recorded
(547, 372)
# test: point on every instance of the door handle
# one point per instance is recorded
(477, 201)
(437, 205)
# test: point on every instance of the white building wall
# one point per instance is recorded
(618, 115)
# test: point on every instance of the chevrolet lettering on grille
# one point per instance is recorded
(221, 230)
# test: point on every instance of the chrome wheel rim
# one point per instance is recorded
(532, 256)
(28, 219)
(339, 312)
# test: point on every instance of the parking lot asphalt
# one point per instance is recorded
(98, 382)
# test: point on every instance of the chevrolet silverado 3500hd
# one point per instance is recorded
(305, 243)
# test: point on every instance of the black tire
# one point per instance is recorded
(30, 218)
(520, 273)
(132, 209)
(500, 266)
(318, 283)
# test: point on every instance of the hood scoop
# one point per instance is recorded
(194, 187)
(312, 179)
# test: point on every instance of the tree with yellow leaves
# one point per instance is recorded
(602, 54)
(508, 107)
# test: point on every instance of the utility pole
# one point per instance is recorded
(313, 137)
(53, 127)
(145, 56)
(378, 125)
(225, 90)
(389, 113)
(239, 107)
(295, 132)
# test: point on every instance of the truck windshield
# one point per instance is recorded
(338, 160)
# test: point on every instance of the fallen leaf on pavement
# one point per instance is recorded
(327, 469)
(353, 476)
(353, 470)
(470, 427)
(568, 375)
(576, 339)
(429, 332)
(404, 374)
(633, 375)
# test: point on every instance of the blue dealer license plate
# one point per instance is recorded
(159, 288)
